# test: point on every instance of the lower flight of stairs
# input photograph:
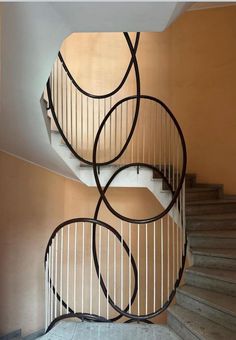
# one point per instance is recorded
(206, 304)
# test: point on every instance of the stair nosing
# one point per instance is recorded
(211, 202)
(220, 234)
(195, 332)
(220, 278)
(207, 302)
(213, 252)
(202, 189)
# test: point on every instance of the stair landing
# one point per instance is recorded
(72, 330)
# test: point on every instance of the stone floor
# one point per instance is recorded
(74, 330)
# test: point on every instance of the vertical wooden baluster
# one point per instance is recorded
(87, 153)
(66, 111)
(56, 253)
(93, 129)
(50, 284)
(83, 255)
(71, 116)
(144, 125)
(132, 140)
(52, 278)
(121, 130)
(147, 272)
(62, 99)
(108, 264)
(162, 264)
(82, 125)
(160, 139)
(99, 274)
(114, 266)
(154, 266)
(130, 278)
(46, 293)
(76, 119)
(104, 130)
(99, 143)
(110, 120)
(122, 267)
(138, 264)
(168, 256)
(61, 270)
(91, 269)
(68, 268)
(75, 264)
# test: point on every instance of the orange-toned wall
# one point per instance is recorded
(192, 66)
(31, 205)
(202, 78)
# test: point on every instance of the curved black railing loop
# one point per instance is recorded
(95, 257)
(95, 164)
(103, 286)
(132, 220)
(81, 316)
(115, 307)
(137, 97)
(96, 96)
(95, 222)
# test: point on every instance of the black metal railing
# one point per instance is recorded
(131, 268)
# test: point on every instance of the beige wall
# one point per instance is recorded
(32, 204)
(202, 76)
(192, 66)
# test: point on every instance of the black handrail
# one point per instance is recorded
(51, 106)
(95, 222)
(96, 96)
(102, 191)
(95, 164)
(121, 312)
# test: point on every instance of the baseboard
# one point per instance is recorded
(34, 335)
(11, 335)
(17, 335)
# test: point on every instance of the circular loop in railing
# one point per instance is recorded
(95, 96)
(137, 97)
(96, 222)
(95, 164)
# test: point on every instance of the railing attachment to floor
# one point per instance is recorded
(128, 268)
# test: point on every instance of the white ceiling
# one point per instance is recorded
(31, 35)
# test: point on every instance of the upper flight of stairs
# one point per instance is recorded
(206, 303)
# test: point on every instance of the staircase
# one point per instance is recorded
(98, 137)
(206, 303)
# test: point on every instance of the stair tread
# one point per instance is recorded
(216, 300)
(203, 188)
(199, 326)
(214, 234)
(216, 252)
(213, 202)
(218, 274)
(223, 217)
